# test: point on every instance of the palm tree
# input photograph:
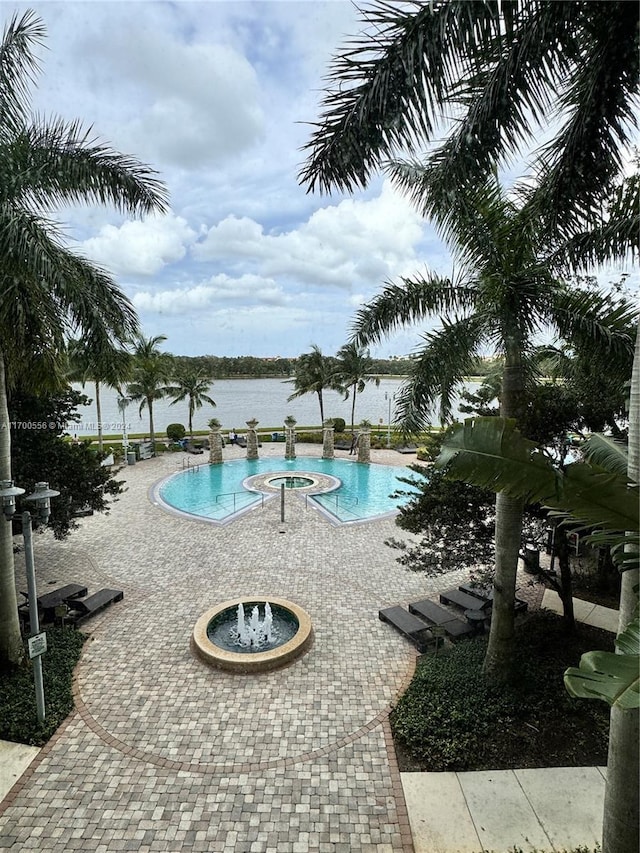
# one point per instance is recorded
(314, 373)
(505, 293)
(191, 386)
(106, 365)
(151, 372)
(49, 293)
(503, 70)
(353, 371)
(603, 495)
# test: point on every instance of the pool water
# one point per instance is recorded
(216, 491)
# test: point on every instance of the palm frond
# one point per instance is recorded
(387, 87)
(513, 78)
(616, 238)
(411, 301)
(602, 325)
(19, 67)
(577, 168)
(436, 371)
(54, 163)
(607, 453)
(491, 453)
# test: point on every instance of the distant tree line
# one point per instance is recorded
(242, 366)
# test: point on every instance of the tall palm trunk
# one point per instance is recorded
(353, 407)
(152, 435)
(321, 407)
(621, 827)
(11, 648)
(498, 661)
(191, 409)
(99, 415)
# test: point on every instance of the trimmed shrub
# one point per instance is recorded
(175, 432)
(339, 424)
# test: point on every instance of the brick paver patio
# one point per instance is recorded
(166, 754)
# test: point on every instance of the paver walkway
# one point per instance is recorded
(166, 754)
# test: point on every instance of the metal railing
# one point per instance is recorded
(234, 495)
(339, 500)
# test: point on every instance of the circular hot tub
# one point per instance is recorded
(291, 481)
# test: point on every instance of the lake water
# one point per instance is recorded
(237, 401)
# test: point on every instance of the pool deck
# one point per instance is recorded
(164, 753)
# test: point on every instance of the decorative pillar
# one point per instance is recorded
(252, 439)
(215, 442)
(364, 442)
(327, 440)
(290, 437)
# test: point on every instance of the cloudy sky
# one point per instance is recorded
(218, 97)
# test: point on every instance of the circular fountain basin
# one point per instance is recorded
(210, 636)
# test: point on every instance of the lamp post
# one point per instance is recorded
(388, 396)
(41, 498)
(122, 406)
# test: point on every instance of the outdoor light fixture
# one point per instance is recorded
(8, 494)
(41, 497)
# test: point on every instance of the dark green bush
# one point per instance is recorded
(175, 432)
(18, 716)
(450, 718)
(309, 437)
(339, 424)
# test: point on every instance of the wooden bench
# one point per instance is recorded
(84, 608)
(406, 623)
(48, 602)
(431, 612)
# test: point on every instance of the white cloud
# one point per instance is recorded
(219, 291)
(140, 247)
(349, 244)
(203, 99)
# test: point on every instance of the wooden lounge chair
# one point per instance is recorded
(433, 614)
(190, 447)
(414, 629)
(464, 600)
(486, 594)
(83, 608)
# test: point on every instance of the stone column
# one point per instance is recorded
(364, 443)
(290, 438)
(327, 440)
(252, 439)
(215, 446)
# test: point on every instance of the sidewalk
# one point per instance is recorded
(14, 760)
(546, 810)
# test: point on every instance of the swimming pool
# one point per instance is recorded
(350, 491)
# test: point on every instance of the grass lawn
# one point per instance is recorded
(450, 719)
